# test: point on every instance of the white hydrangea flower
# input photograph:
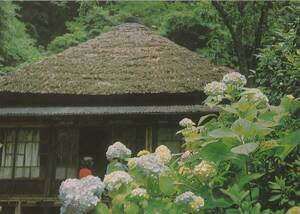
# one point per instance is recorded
(185, 156)
(164, 153)
(260, 97)
(80, 196)
(94, 184)
(142, 152)
(215, 88)
(185, 198)
(186, 122)
(235, 79)
(139, 192)
(256, 95)
(116, 179)
(150, 164)
(204, 169)
(118, 150)
(131, 163)
(197, 203)
(189, 198)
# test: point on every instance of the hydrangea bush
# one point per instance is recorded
(245, 159)
(80, 196)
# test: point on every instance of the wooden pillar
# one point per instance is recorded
(50, 162)
(149, 139)
(50, 170)
(18, 209)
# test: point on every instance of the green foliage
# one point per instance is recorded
(281, 192)
(16, 46)
(87, 25)
(46, 20)
(250, 164)
(278, 69)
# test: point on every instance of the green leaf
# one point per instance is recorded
(247, 110)
(247, 178)
(267, 116)
(222, 133)
(131, 208)
(290, 105)
(215, 152)
(288, 143)
(231, 142)
(245, 149)
(235, 193)
(203, 118)
(101, 208)
(261, 129)
(292, 138)
(243, 128)
(274, 197)
(230, 109)
(221, 203)
(166, 184)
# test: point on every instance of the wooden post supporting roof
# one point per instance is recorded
(149, 139)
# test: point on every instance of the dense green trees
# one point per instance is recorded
(278, 69)
(15, 44)
(258, 38)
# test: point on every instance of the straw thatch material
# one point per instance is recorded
(129, 59)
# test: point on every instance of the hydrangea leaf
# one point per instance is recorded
(290, 105)
(215, 152)
(288, 143)
(261, 129)
(243, 128)
(222, 133)
(230, 109)
(117, 207)
(166, 184)
(204, 118)
(131, 208)
(245, 149)
(247, 110)
(101, 208)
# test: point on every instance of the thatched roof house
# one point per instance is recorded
(129, 84)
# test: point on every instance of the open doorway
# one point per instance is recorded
(94, 142)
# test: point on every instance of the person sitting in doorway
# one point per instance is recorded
(86, 167)
(116, 164)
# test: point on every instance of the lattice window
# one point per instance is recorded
(67, 154)
(19, 153)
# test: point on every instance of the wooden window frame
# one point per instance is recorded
(72, 160)
(16, 142)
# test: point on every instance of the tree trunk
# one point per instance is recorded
(236, 35)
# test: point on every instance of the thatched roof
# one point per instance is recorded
(129, 59)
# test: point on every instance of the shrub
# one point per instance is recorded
(243, 160)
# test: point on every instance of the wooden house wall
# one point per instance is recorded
(38, 100)
(56, 143)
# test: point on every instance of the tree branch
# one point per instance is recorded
(224, 15)
(260, 28)
(236, 35)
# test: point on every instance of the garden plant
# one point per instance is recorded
(245, 159)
